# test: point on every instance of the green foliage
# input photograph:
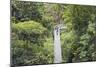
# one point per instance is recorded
(81, 29)
(29, 53)
(32, 32)
(29, 27)
(25, 10)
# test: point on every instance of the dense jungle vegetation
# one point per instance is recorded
(32, 27)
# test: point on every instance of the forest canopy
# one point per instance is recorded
(32, 25)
